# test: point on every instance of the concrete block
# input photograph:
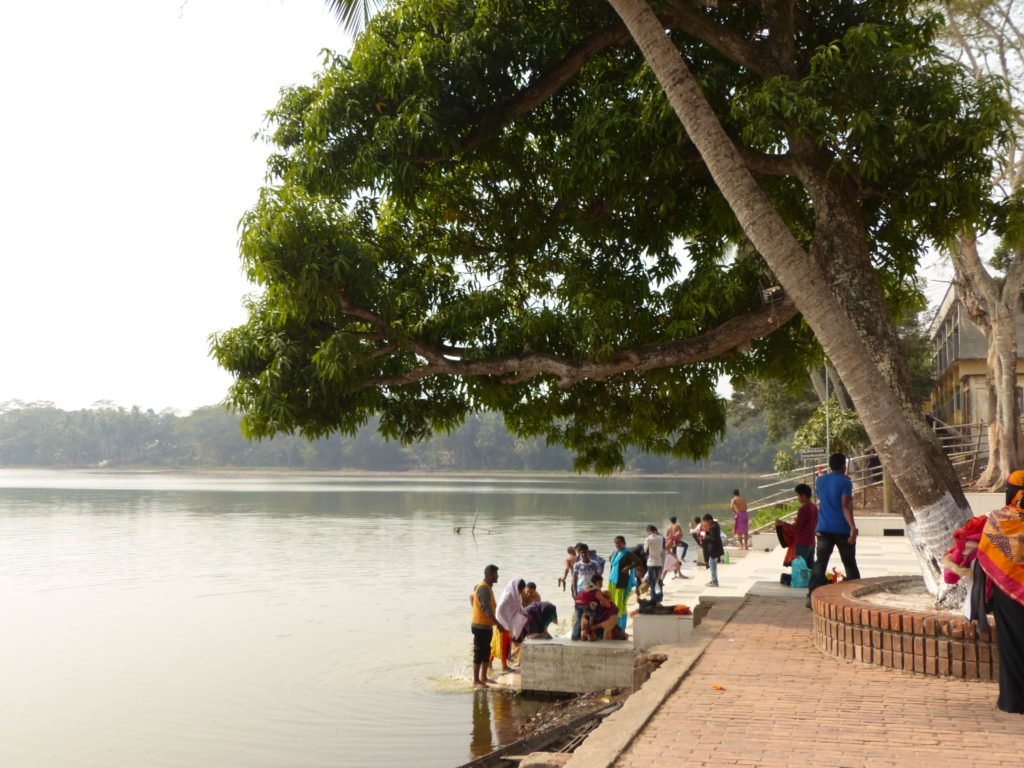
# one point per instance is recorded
(650, 630)
(563, 666)
(880, 525)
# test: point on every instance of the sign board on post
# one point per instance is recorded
(812, 456)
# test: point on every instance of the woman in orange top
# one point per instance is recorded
(1001, 557)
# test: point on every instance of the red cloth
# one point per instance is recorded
(805, 525)
(787, 538)
(964, 549)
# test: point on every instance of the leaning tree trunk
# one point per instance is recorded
(993, 305)
(845, 309)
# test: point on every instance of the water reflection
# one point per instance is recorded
(483, 739)
(497, 717)
(164, 624)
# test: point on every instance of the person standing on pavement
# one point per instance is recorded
(654, 546)
(482, 622)
(697, 532)
(621, 579)
(712, 546)
(836, 527)
(740, 519)
(1001, 560)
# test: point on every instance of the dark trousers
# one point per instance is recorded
(482, 644)
(654, 579)
(806, 551)
(847, 552)
(1010, 632)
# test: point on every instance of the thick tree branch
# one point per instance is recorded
(731, 334)
(382, 331)
(782, 35)
(680, 14)
(688, 16)
(767, 165)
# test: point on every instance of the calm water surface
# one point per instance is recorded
(278, 621)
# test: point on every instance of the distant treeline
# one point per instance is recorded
(41, 435)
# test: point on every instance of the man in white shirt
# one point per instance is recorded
(654, 545)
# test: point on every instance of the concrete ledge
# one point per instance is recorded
(561, 665)
(604, 746)
(710, 600)
(881, 525)
(650, 630)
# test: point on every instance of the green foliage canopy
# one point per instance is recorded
(840, 427)
(491, 205)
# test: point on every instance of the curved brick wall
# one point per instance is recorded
(848, 625)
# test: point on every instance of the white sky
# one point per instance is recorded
(128, 160)
(127, 127)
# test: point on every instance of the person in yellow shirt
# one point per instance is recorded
(483, 621)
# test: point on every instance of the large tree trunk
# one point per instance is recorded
(835, 387)
(993, 305)
(1004, 412)
(834, 289)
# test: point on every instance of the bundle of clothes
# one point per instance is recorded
(958, 562)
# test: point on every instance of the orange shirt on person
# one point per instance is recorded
(479, 617)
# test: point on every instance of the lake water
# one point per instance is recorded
(278, 621)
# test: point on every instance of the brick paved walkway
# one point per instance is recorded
(786, 704)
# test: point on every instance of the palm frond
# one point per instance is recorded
(354, 15)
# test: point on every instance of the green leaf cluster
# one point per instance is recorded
(840, 426)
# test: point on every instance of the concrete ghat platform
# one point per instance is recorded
(563, 666)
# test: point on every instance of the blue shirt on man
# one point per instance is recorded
(831, 490)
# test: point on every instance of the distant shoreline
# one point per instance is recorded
(296, 472)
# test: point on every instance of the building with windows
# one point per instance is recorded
(959, 350)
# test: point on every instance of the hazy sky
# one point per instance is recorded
(128, 159)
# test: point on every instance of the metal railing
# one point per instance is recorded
(964, 444)
(864, 471)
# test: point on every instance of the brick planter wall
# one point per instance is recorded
(848, 625)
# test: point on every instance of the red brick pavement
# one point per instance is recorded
(786, 704)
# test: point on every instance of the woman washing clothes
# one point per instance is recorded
(513, 617)
(540, 616)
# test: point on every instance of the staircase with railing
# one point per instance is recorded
(966, 445)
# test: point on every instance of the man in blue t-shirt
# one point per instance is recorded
(836, 528)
